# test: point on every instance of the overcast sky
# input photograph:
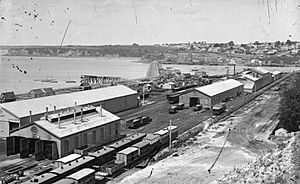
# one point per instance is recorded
(98, 22)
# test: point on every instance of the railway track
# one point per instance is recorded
(255, 123)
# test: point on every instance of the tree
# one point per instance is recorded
(231, 43)
(289, 109)
(288, 42)
(256, 43)
(277, 44)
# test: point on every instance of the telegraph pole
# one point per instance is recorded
(170, 136)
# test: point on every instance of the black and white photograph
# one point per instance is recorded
(150, 91)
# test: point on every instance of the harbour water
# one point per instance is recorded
(63, 69)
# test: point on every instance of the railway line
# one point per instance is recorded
(258, 121)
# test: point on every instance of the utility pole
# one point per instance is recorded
(170, 136)
(143, 94)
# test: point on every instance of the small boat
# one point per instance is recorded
(70, 81)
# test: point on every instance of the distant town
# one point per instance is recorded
(279, 53)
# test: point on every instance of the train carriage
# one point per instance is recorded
(47, 178)
(103, 155)
(83, 176)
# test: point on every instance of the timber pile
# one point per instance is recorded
(280, 166)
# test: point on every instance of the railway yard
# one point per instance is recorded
(250, 127)
(220, 148)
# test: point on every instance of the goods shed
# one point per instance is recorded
(21, 113)
(212, 94)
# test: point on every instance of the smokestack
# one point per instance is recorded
(30, 118)
(58, 120)
(74, 116)
(81, 115)
(75, 104)
(46, 114)
(54, 109)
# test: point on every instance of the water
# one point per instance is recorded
(62, 69)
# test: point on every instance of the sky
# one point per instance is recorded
(101, 22)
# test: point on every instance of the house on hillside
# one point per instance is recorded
(36, 93)
(7, 97)
(48, 91)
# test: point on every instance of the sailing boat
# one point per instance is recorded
(70, 81)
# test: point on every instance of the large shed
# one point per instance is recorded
(212, 94)
(17, 114)
(72, 130)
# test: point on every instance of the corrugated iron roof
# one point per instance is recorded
(38, 105)
(250, 77)
(69, 158)
(68, 127)
(128, 150)
(219, 87)
(259, 70)
(81, 173)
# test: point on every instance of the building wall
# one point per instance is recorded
(232, 93)
(4, 128)
(119, 104)
(208, 102)
(204, 100)
(101, 138)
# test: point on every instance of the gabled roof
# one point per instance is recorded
(38, 105)
(68, 127)
(259, 70)
(36, 91)
(48, 91)
(219, 87)
(250, 77)
(8, 95)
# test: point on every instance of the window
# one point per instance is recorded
(94, 136)
(76, 142)
(66, 145)
(85, 139)
(116, 129)
(109, 130)
(101, 133)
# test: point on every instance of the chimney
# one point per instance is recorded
(58, 120)
(69, 109)
(100, 111)
(54, 109)
(74, 116)
(30, 118)
(46, 114)
(81, 115)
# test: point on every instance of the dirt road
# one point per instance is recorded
(190, 164)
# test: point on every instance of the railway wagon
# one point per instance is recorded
(66, 160)
(152, 138)
(219, 109)
(119, 145)
(83, 176)
(128, 156)
(165, 135)
(135, 138)
(144, 148)
(127, 141)
(103, 155)
(65, 181)
(47, 178)
(112, 169)
(72, 167)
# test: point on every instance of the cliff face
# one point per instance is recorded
(88, 51)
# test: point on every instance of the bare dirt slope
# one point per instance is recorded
(190, 164)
